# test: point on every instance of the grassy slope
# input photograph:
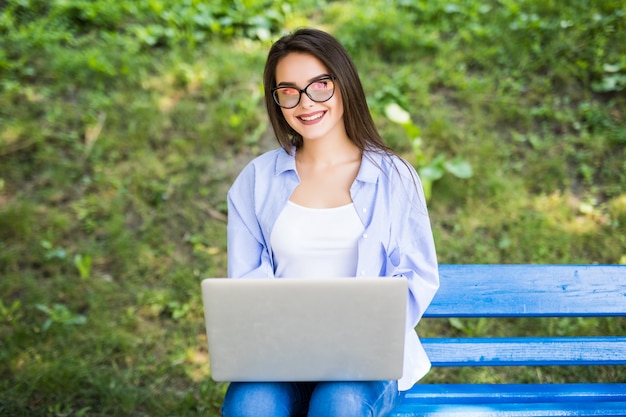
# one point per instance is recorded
(112, 186)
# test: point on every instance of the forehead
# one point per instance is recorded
(299, 68)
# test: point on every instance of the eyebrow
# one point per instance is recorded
(292, 84)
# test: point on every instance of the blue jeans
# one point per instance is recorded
(311, 399)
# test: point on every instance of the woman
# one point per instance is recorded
(332, 201)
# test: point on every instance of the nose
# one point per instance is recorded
(305, 101)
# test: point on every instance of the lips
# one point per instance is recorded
(311, 117)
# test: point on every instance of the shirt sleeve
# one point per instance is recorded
(248, 254)
(413, 255)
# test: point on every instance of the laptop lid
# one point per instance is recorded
(301, 329)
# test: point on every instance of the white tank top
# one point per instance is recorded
(316, 243)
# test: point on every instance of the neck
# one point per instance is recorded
(328, 151)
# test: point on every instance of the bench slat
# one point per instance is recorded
(587, 409)
(518, 393)
(513, 400)
(527, 351)
(530, 291)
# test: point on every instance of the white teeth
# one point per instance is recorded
(311, 118)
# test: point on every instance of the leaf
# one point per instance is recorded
(434, 170)
(610, 83)
(83, 264)
(412, 131)
(76, 320)
(46, 326)
(43, 308)
(431, 172)
(416, 145)
(397, 114)
(427, 186)
(456, 323)
(83, 411)
(459, 168)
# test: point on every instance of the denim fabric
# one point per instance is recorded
(311, 399)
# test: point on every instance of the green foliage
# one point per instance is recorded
(152, 22)
(123, 123)
(76, 53)
(512, 89)
(10, 314)
(578, 42)
(430, 169)
(83, 264)
(59, 314)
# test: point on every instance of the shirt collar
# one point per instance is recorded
(371, 163)
(285, 162)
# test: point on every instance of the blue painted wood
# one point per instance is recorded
(587, 409)
(530, 291)
(524, 291)
(518, 393)
(510, 400)
(526, 351)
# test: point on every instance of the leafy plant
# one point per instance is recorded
(12, 313)
(52, 252)
(83, 264)
(60, 315)
(429, 169)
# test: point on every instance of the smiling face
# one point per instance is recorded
(312, 120)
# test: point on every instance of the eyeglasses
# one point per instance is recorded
(319, 91)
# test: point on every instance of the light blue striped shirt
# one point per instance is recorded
(397, 238)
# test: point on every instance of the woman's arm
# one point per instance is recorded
(248, 255)
(414, 255)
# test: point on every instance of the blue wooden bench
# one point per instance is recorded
(524, 291)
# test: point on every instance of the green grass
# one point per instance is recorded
(122, 125)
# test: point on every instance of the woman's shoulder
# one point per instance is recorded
(266, 166)
(258, 170)
(268, 157)
(390, 163)
(269, 160)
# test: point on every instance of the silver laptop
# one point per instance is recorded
(302, 329)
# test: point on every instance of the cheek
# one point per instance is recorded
(287, 115)
(338, 103)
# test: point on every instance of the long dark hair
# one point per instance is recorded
(358, 121)
(357, 118)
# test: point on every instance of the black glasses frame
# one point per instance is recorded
(304, 90)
